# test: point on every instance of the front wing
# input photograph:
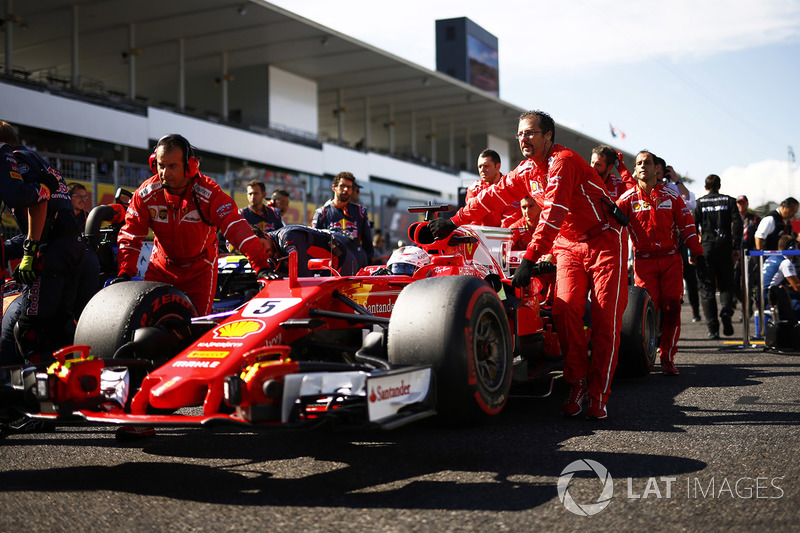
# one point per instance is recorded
(379, 398)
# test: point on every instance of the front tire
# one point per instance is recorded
(458, 325)
(112, 316)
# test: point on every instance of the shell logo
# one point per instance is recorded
(238, 329)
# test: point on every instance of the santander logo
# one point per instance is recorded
(379, 394)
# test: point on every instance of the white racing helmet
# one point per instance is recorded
(406, 260)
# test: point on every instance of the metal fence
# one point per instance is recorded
(746, 258)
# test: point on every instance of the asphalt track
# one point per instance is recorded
(714, 449)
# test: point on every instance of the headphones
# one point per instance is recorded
(191, 164)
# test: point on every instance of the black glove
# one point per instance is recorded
(25, 271)
(442, 227)
(119, 279)
(522, 276)
(701, 266)
(50, 181)
(268, 273)
(544, 267)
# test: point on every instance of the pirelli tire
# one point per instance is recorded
(638, 339)
(458, 325)
(113, 314)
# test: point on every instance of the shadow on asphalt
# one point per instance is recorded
(517, 455)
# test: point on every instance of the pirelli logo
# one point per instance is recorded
(201, 354)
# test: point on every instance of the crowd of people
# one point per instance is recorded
(599, 223)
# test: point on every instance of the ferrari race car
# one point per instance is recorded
(377, 349)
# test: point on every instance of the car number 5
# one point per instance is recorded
(264, 307)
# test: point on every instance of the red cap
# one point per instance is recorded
(743, 198)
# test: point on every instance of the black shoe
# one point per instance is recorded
(713, 335)
(727, 325)
(696, 318)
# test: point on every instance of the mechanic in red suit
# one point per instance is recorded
(184, 209)
(659, 221)
(489, 172)
(523, 229)
(590, 246)
(604, 160)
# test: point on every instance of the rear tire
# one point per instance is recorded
(110, 318)
(458, 325)
(637, 347)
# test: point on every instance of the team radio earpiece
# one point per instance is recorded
(191, 164)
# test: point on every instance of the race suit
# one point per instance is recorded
(659, 222)
(617, 186)
(46, 319)
(590, 247)
(521, 234)
(520, 237)
(185, 250)
(720, 228)
(14, 191)
(351, 221)
(503, 218)
(314, 243)
(267, 218)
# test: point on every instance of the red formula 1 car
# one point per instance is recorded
(367, 350)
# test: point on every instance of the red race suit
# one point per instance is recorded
(617, 186)
(658, 223)
(185, 250)
(590, 249)
(507, 215)
(521, 234)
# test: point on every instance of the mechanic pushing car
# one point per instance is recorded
(660, 222)
(308, 243)
(586, 232)
(184, 208)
